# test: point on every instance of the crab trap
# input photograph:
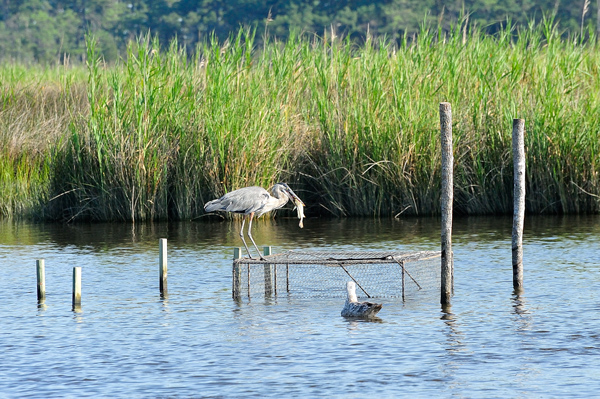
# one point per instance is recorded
(314, 274)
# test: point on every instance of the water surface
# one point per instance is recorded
(128, 341)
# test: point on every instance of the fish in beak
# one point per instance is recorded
(291, 194)
(298, 202)
(300, 207)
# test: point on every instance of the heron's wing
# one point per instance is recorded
(243, 200)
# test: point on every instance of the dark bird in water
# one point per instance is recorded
(353, 308)
(253, 202)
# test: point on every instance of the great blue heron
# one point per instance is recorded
(353, 308)
(253, 201)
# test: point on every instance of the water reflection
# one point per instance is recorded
(164, 301)
(452, 332)
(41, 306)
(454, 346)
(527, 368)
(285, 231)
(519, 304)
(77, 314)
(354, 322)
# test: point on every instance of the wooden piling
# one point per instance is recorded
(41, 280)
(518, 143)
(267, 272)
(162, 265)
(237, 276)
(76, 288)
(447, 197)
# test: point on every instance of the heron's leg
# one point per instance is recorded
(250, 235)
(242, 237)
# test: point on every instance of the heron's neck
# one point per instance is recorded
(276, 203)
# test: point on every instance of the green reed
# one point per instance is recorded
(166, 133)
(37, 105)
(355, 129)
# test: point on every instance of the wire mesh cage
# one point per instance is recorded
(313, 274)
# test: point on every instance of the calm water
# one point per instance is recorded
(127, 341)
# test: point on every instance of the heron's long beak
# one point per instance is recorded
(293, 196)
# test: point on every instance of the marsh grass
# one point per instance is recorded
(37, 105)
(354, 129)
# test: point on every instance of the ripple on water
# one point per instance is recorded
(127, 341)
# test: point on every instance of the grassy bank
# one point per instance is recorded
(354, 130)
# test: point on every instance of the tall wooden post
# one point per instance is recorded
(447, 199)
(162, 265)
(518, 142)
(41, 280)
(237, 275)
(267, 272)
(76, 288)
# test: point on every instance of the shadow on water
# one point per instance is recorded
(285, 231)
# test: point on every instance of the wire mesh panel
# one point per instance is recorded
(312, 274)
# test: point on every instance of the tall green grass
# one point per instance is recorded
(37, 105)
(354, 129)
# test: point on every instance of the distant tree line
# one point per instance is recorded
(46, 31)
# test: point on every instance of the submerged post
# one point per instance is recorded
(76, 288)
(267, 272)
(41, 280)
(162, 265)
(518, 142)
(447, 199)
(237, 276)
(403, 281)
